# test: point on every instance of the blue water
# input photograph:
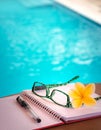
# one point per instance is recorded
(48, 43)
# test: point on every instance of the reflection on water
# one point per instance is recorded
(51, 48)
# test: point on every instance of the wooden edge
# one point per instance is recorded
(98, 88)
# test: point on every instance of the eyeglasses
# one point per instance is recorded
(37, 86)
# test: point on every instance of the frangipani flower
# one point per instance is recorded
(81, 95)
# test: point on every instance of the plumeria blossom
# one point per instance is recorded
(82, 95)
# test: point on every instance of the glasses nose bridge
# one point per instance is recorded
(48, 93)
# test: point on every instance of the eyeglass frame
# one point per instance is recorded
(50, 95)
(68, 104)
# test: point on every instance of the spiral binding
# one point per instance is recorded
(44, 107)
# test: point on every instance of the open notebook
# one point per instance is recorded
(16, 117)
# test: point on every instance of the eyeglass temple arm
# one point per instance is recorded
(97, 98)
(53, 85)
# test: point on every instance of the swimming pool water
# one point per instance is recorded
(50, 44)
